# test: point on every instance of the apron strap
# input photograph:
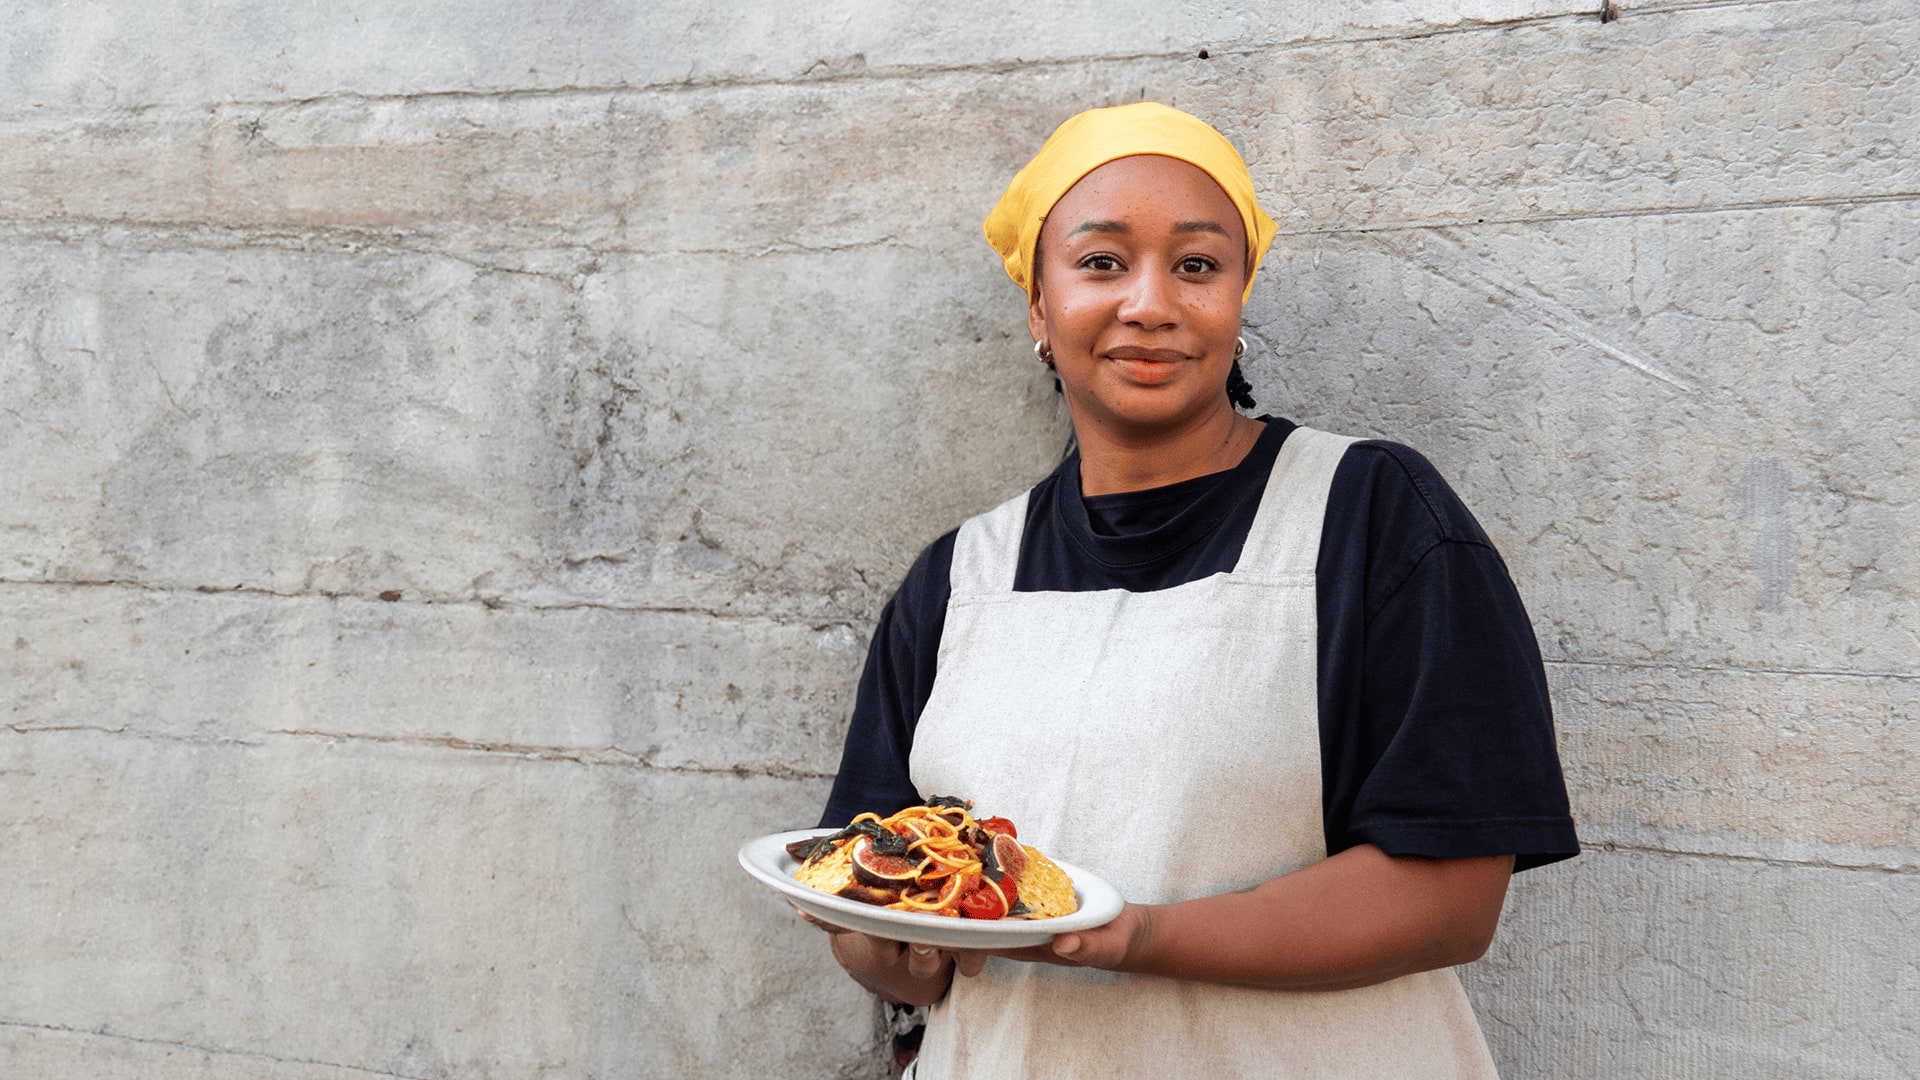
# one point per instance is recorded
(1284, 541)
(986, 553)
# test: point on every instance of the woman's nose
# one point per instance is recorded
(1150, 301)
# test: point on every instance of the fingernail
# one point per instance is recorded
(922, 950)
(1066, 946)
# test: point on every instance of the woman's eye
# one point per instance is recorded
(1196, 264)
(1102, 263)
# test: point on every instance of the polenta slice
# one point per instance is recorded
(830, 873)
(1045, 888)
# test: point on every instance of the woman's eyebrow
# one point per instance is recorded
(1106, 226)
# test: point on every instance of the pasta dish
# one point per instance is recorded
(939, 859)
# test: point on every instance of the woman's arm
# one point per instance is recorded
(1358, 918)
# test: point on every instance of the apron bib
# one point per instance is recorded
(1170, 742)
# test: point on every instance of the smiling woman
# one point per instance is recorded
(1145, 260)
(1272, 683)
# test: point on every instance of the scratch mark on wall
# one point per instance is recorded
(102, 1033)
(1446, 258)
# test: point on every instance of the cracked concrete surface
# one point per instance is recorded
(1729, 968)
(448, 912)
(448, 490)
(1541, 119)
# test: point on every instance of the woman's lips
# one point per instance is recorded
(1148, 368)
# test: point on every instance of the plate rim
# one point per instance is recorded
(1095, 894)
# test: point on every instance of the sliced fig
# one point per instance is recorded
(869, 894)
(880, 868)
(1009, 855)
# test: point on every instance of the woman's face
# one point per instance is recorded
(1141, 268)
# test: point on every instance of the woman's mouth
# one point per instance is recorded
(1149, 366)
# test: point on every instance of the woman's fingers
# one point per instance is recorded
(1109, 946)
(968, 962)
(925, 961)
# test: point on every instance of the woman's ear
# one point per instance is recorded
(1036, 319)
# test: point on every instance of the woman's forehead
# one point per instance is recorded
(1148, 189)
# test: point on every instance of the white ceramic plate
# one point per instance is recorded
(767, 860)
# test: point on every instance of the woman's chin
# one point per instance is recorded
(1147, 407)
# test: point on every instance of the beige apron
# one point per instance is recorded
(1170, 742)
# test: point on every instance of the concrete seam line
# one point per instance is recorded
(596, 756)
(1657, 7)
(1733, 669)
(911, 71)
(491, 603)
(161, 736)
(894, 72)
(1813, 202)
(101, 1033)
(497, 603)
(1898, 869)
(352, 240)
(610, 755)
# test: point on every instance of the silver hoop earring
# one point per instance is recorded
(1239, 347)
(1042, 353)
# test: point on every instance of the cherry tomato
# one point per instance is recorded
(984, 903)
(999, 825)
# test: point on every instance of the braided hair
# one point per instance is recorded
(1239, 390)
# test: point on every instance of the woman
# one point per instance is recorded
(1272, 683)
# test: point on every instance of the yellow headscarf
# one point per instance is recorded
(1097, 136)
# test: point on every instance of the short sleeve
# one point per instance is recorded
(1437, 729)
(1470, 767)
(894, 686)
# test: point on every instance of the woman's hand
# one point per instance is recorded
(1111, 946)
(921, 974)
(897, 972)
(1114, 946)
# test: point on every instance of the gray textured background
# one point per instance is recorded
(454, 453)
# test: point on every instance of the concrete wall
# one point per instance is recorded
(454, 453)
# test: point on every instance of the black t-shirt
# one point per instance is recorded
(1436, 736)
